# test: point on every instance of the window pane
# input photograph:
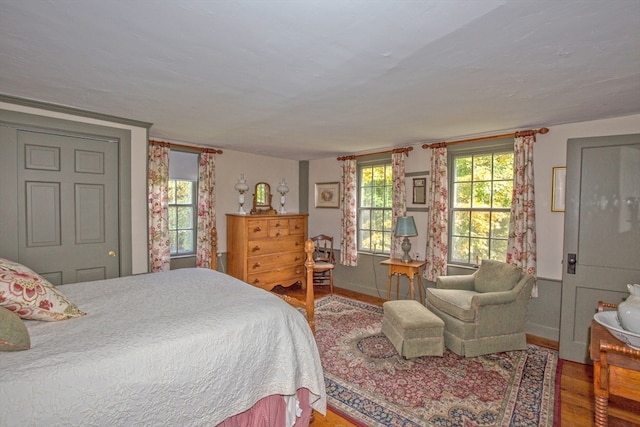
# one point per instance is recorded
(379, 197)
(503, 166)
(365, 219)
(499, 250)
(462, 169)
(377, 242)
(461, 223)
(185, 241)
(462, 195)
(481, 195)
(184, 192)
(185, 217)
(173, 222)
(479, 250)
(366, 176)
(500, 224)
(377, 220)
(502, 193)
(460, 249)
(173, 241)
(387, 241)
(480, 224)
(366, 198)
(365, 240)
(388, 219)
(378, 175)
(482, 166)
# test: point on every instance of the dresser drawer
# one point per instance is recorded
(257, 228)
(268, 262)
(274, 245)
(282, 275)
(278, 227)
(296, 226)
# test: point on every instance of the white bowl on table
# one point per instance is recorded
(609, 319)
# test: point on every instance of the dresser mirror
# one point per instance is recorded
(262, 200)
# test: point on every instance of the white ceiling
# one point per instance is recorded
(309, 79)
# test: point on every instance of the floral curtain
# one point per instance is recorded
(399, 198)
(158, 207)
(348, 224)
(206, 208)
(437, 227)
(521, 246)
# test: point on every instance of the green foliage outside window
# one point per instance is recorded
(182, 211)
(374, 211)
(481, 202)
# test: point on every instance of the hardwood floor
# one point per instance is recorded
(576, 384)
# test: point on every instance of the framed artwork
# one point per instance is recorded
(327, 195)
(558, 185)
(419, 191)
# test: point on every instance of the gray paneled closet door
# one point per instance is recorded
(67, 203)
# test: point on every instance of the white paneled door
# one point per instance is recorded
(601, 233)
(66, 203)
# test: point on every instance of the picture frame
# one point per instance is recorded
(327, 195)
(419, 191)
(558, 186)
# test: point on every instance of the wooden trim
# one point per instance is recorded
(530, 132)
(404, 150)
(185, 147)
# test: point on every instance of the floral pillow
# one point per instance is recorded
(31, 296)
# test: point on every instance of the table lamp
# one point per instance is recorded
(406, 227)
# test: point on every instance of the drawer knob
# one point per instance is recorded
(256, 248)
(297, 243)
(298, 271)
(256, 265)
(297, 258)
(256, 281)
(278, 233)
(297, 226)
(257, 229)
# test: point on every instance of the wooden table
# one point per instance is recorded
(410, 269)
(616, 370)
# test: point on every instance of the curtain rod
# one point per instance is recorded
(185, 147)
(395, 150)
(530, 132)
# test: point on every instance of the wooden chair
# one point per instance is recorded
(324, 259)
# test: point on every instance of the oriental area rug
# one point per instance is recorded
(368, 383)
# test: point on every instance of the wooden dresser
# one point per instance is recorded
(267, 250)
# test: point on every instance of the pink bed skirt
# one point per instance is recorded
(270, 411)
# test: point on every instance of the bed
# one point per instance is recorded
(184, 347)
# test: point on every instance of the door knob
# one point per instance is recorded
(112, 253)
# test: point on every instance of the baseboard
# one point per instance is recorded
(543, 342)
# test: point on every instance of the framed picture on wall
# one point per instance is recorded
(419, 191)
(327, 195)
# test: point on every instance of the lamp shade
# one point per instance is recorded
(406, 226)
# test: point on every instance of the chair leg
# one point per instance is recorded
(331, 279)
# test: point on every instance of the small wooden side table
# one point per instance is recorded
(410, 269)
(616, 369)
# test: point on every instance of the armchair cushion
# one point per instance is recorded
(454, 302)
(496, 276)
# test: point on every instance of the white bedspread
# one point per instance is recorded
(185, 347)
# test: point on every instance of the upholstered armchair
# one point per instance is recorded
(484, 312)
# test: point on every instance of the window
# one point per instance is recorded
(182, 210)
(482, 184)
(375, 187)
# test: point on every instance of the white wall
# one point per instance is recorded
(255, 168)
(549, 151)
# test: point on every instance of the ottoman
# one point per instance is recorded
(412, 329)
